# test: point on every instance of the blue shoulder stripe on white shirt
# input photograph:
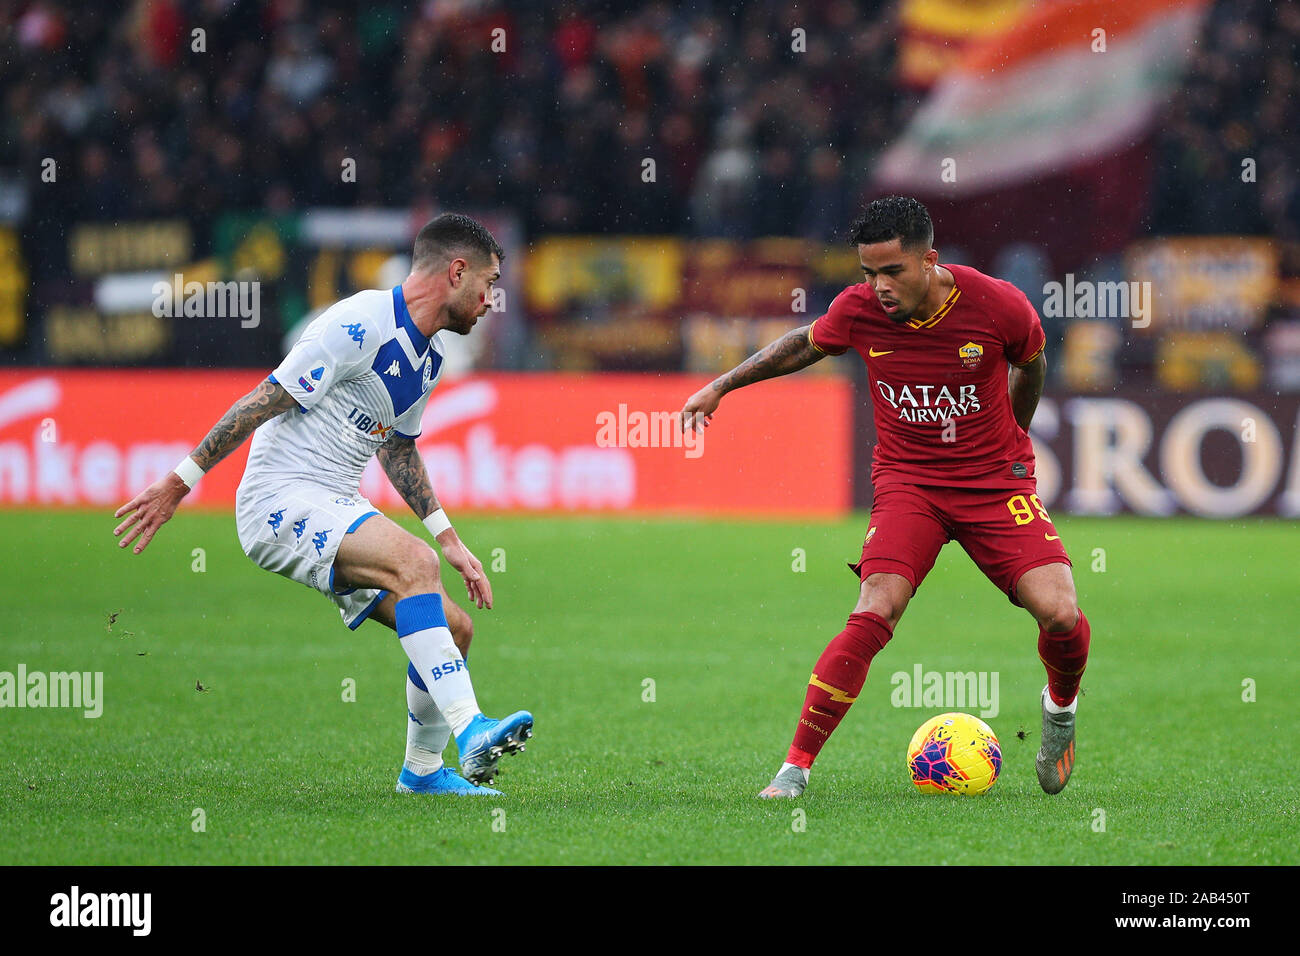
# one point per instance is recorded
(400, 364)
(403, 320)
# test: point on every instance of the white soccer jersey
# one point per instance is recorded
(360, 372)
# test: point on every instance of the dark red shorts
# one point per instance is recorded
(1006, 532)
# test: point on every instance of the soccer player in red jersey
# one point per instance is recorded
(955, 364)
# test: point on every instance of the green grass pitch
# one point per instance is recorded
(1174, 767)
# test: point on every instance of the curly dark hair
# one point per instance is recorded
(894, 217)
(451, 234)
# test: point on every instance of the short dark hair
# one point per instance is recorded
(894, 217)
(445, 237)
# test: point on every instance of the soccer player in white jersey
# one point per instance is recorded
(356, 385)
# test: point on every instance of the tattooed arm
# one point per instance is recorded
(1025, 383)
(153, 507)
(260, 405)
(789, 353)
(405, 469)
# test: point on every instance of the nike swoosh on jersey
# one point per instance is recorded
(873, 353)
(1051, 537)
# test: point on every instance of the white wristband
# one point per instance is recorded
(189, 472)
(437, 523)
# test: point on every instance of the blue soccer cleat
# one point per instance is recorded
(444, 780)
(482, 743)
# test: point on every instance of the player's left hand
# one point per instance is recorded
(462, 559)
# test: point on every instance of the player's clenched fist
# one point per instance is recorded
(699, 408)
(149, 510)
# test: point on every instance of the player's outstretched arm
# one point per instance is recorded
(789, 353)
(152, 508)
(405, 468)
(1025, 385)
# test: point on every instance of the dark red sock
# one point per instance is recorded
(835, 683)
(1065, 656)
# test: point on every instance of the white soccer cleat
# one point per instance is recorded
(789, 782)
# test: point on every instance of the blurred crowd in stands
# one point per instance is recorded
(750, 137)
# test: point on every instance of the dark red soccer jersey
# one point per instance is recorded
(939, 384)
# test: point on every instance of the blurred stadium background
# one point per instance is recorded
(671, 183)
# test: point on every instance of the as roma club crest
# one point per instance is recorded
(970, 355)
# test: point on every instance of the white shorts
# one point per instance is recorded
(295, 530)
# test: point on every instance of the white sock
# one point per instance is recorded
(1053, 707)
(423, 633)
(426, 732)
(786, 765)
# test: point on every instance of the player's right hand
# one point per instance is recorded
(149, 510)
(698, 411)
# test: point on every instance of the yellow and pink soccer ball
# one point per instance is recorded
(954, 753)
